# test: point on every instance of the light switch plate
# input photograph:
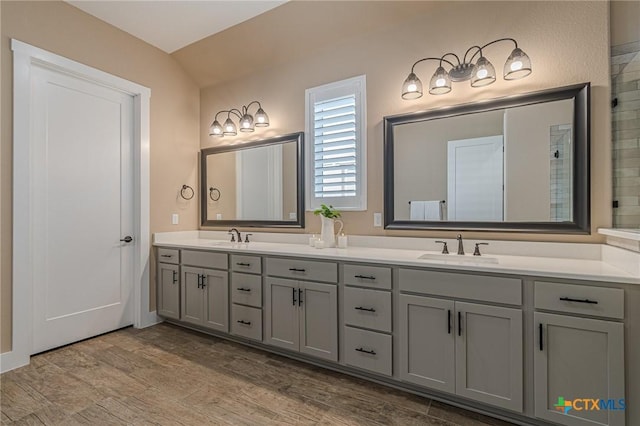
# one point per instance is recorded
(292, 216)
(377, 219)
(219, 216)
(175, 219)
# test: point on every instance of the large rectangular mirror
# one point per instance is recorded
(254, 184)
(512, 164)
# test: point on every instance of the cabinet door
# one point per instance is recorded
(578, 358)
(489, 354)
(427, 342)
(192, 296)
(281, 313)
(319, 320)
(168, 290)
(216, 309)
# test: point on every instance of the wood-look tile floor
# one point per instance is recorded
(166, 375)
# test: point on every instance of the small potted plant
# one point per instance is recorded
(329, 216)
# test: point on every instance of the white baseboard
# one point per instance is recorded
(11, 360)
(149, 319)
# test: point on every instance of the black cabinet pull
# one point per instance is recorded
(175, 277)
(297, 270)
(449, 321)
(293, 295)
(365, 351)
(248, 290)
(243, 264)
(569, 299)
(166, 255)
(540, 337)
(459, 323)
(360, 308)
(365, 277)
(244, 322)
(203, 283)
(299, 297)
(199, 280)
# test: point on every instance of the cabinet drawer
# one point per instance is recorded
(462, 286)
(204, 259)
(367, 308)
(367, 276)
(246, 322)
(303, 269)
(250, 264)
(166, 255)
(580, 299)
(246, 289)
(368, 350)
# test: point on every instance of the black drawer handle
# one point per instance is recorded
(243, 264)
(175, 277)
(360, 308)
(540, 337)
(297, 270)
(244, 289)
(365, 277)
(244, 322)
(366, 351)
(166, 255)
(459, 323)
(569, 299)
(449, 321)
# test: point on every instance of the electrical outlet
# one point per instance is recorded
(377, 220)
(292, 216)
(219, 216)
(175, 219)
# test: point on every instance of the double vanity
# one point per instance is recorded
(506, 335)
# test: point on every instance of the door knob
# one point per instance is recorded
(127, 239)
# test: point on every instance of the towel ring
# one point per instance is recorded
(187, 188)
(213, 190)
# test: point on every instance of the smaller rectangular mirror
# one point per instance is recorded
(254, 184)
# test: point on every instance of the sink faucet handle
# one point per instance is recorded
(476, 252)
(246, 237)
(445, 250)
(233, 236)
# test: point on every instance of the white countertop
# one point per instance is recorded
(554, 267)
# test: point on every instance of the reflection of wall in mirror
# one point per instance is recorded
(420, 155)
(289, 181)
(221, 174)
(527, 159)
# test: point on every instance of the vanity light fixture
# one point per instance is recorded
(481, 73)
(246, 123)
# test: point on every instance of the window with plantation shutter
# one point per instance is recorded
(336, 145)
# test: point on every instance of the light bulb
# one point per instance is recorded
(229, 128)
(516, 65)
(216, 131)
(260, 119)
(412, 87)
(482, 73)
(441, 82)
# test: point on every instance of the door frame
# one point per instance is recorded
(26, 56)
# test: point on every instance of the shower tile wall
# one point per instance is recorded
(625, 73)
(561, 165)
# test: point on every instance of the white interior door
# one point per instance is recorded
(259, 183)
(82, 192)
(475, 179)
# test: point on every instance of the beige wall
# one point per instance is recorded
(567, 41)
(67, 31)
(221, 174)
(625, 21)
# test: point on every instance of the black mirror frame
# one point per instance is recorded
(581, 167)
(300, 213)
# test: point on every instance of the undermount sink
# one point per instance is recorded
(467, 258)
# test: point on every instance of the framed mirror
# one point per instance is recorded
(516, 164)
(254, 184)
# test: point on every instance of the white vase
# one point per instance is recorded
(328, 233)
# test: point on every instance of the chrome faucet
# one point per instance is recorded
(233, 239)
(460, 246)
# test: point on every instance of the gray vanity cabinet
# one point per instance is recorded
(168, 289)
(205, 297)
(302, 316)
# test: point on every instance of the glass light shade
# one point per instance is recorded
(484, 73)
(230, 128)
(262, 119)
(518, 65)
(246, 123)
(440, 82)
(216, 129)
(412, 87)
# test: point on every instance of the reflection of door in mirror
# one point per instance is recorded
(259, 183)
(475, 179)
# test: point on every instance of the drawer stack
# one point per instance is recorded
(368, 318)
(246, 296)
